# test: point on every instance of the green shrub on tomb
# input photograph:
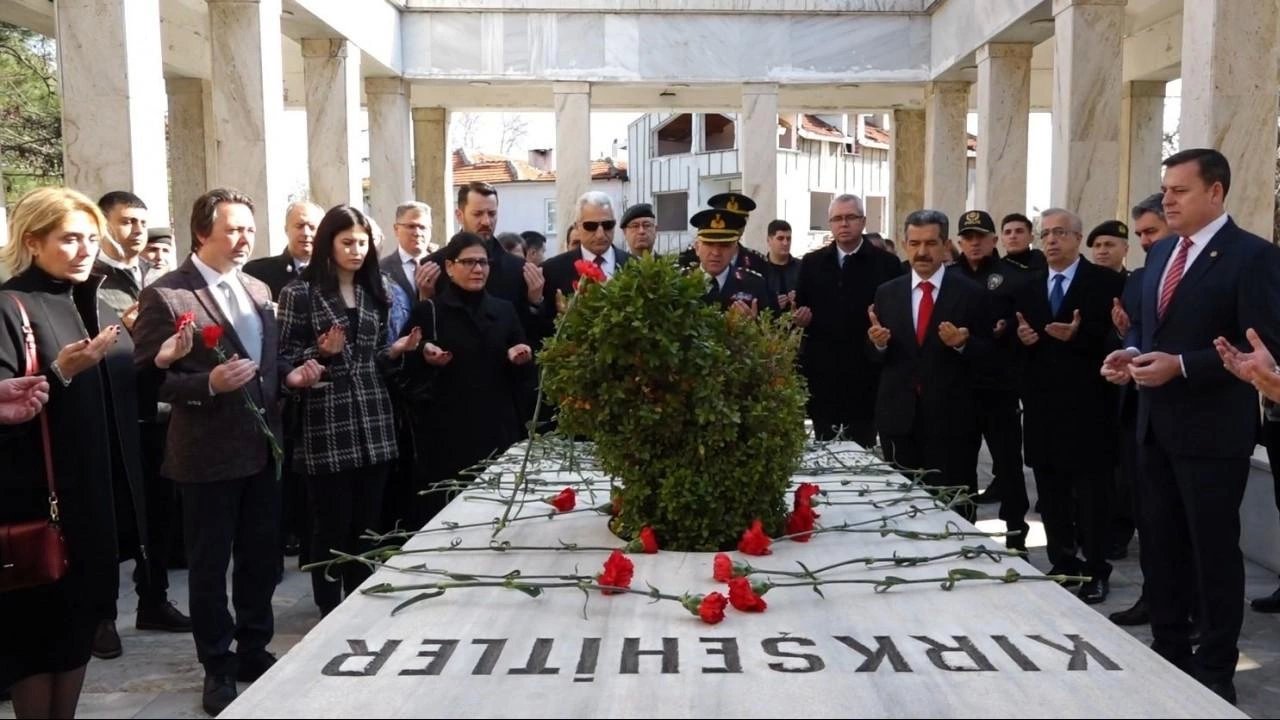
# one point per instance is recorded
(699, 414)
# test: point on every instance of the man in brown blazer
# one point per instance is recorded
(217, 450)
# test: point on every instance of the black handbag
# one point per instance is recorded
(34, 552)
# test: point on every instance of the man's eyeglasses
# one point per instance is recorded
(1058, 232)
(592, 225)
(840, 219)
(473, 263)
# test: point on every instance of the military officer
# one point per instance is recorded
(731, 287)
(732, 204)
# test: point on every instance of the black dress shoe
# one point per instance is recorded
(250, 667)
(1095, 591)
(1268, 604)
(164, 617)
(291, 545)
(1224, 689)
(219, 692)
(986, 497)
(1139, 614)
(106, 641)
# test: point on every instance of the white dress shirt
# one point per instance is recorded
(1198, 241)
(841, 254)
(610, 264)
(213, 278)
(409, 263)
(917, 293)
(1068, 275)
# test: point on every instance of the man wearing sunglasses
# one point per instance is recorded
(594, 225)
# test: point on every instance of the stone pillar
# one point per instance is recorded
(390, 172)
(433, 168)
(946, 164)
(573, 149)
(248, 109)
(331, 69)
(1229, 99)
(758, 159)
(907, 166)
(1088, 54)
(1004, 101)
(1141, 146)
(192, 152)
(112, 90)
(4, 214)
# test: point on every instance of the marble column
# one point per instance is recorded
(758, 158)
(907, 165)
(331, 70)
(946, 163)
(1004, 101)
(1141, 146)
(390, 171)
(4, 214)
(433, 168)
(248, 109)
(192, 151)
(112, 90)
(573, 149)
(1088, 54)
(1229, 99)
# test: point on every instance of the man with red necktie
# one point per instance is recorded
(1196, 423)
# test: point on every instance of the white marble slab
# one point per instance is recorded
(983, 649)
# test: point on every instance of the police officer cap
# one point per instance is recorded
(718, 225)
(159, 235)
(976, 220)
(1110, 228)
(732, 202)
(639, 210)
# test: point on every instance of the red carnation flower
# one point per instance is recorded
(185, 319)
(564, 500)
(210, 335)
(754, 541)
(800, 523)
(744, 597)
(618, 570)
(722, 568)
(711, 609)
(589, 270)
(649, 540)
(805, 494)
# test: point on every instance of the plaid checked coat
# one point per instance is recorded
(348, 423)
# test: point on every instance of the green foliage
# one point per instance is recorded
(30, 112)
(699, 413)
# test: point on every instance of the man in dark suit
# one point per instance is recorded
(1064, 320)
(217, 450)
(836, 285)
(730, 286)
(300, 222)
(927, 330)
(120, 260)
(412, 229)
(595, 225)
(1197, 426)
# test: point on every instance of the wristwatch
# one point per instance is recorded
(57, 372)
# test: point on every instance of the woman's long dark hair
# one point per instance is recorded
(321, 271)
(461, 241)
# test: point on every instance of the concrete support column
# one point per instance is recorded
(1004, 101)
(758, 158)
(192, 151)
(248, 109)
(573, 149)
(390, 171)
(331, 70)
(433, 168)
(1141, 146)
(111, 120)
(1088, 54)
(1229, 99)
(907, 165)
(946, 164)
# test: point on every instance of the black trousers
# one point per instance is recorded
(343, 506)
(1124, 511)
(1000, 424)
(1271, 439)
(1075, 503)
(1191, 556)
(927, 450)
(225, 520)
(151, 579)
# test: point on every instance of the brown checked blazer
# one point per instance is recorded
(211, 438)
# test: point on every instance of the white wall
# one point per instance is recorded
(821, 167)
(522, 206)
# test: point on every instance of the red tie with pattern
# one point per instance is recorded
(1173, 278)
(926, 311)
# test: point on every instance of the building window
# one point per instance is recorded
(675, 136)
(549, 206)
(786, 136)
(672, 210)
(819, 202)
(717, 133)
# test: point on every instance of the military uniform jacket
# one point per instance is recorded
(747, 286)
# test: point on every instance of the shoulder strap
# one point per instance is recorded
(435, 336)
(33, 368)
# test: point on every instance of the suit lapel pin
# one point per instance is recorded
(1213, 253)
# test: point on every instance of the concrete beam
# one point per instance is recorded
(960, 27)
(373, 25)
(752, 7)
(1154, 52)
